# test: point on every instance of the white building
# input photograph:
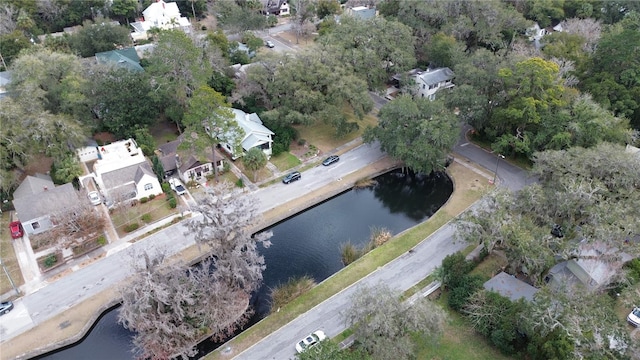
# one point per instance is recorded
(429, 82)
(161, 15)
(255, 134)
(121, 171)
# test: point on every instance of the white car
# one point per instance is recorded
(95, 198)
(177, 186)
(310, 341)
(269, 44)
(634, 317)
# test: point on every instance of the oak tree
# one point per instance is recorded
(418, 132)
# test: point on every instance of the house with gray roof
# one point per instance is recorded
(255, 134)
(187, 164)
(511, 287)
(426, 83)
(37, 199)
(124, 58)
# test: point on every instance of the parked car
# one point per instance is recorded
(291, 177)
(270, 44)
(5, 307)
(330, 160)
(16, 229)
(177, 186)
(634, 317)
(310, 341)
(95, 198)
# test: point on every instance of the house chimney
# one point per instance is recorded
(177, 160)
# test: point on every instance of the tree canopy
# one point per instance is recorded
(419, 132)
(306, 89)
(374, 49)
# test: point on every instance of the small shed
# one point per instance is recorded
(511, 287)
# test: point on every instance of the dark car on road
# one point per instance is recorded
(5, 307)
(330, 160)
(291, 177)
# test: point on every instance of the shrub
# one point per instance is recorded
(301, 142)
(240, 183)
(101, 240)
(166, 188)
(226, 167)
(146, 218)
(131, 227)
(465, 287)
(152, 196)
(285, 293)
(350, 253)
(173, 202)
(144, 200)
(50, 260)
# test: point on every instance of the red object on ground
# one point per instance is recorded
(16, 229)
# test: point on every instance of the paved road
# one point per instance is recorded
(508, 175)
(319, 176)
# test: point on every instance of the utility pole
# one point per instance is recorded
(9, 277)
(495, 173)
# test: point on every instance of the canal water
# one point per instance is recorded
(305, 244)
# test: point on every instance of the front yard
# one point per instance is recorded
(8, 256)
(128, 218)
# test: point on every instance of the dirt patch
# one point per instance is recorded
(302, 41)
(39, 164)
(164, 131)
(103, 138)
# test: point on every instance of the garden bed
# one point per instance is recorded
(88, 246)
(51, 261)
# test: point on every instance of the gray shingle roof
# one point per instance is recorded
(116, 178)
(33, 185)
(47, 202)
(433, 77)
(511, 287)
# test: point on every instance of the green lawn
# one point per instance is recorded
(459, 342)
(8, 256)
(285, 161)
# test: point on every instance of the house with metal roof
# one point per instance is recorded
(124, 58)
(430, 81)
(255, 134)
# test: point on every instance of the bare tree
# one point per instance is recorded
(171, 307)
(8, 15)
(589, 28)
(383, 323)
(76, 225)
(225, 227)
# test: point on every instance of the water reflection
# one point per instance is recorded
(307, 244)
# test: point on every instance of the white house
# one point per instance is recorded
(121, 171)
(430, 81)
(276, 7)
(255, 134)
(161, 15)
